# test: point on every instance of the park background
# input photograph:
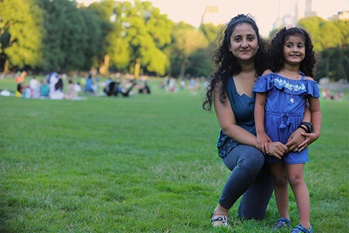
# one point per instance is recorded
(106, 37)
(146, 163)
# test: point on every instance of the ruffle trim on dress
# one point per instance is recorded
(313, 89)
(293, 87)
(289, 86)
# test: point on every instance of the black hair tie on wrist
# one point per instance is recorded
(308, 127)
(303, 127)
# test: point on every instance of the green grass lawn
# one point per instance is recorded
(147, 163)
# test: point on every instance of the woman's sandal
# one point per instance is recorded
(299, 229)
(220, 220)
(282, 223)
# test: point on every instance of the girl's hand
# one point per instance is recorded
(276, 149)
(262, 142)
(297, 139)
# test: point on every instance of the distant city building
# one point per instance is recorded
(341, 15)
(289, 12)
(210, 14)
(308, 9)
(301, 9)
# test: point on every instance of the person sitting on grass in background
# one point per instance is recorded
(144, 88)
(55, 83)
(111, 87)
(34, 87)
(44, 89)
(127, 88)
(282, 94)
(89, 85)
(114, 88)
(21, 87)
(71, 93)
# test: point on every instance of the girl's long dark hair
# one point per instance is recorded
(227, 64)
(276, 57)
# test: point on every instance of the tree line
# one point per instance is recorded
(115, 36)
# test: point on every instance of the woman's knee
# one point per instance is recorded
(254, 158)
(247, 157)
(252, 162)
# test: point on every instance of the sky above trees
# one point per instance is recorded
(265, 12)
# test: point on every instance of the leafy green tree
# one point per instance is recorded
(211, 31)
(93, 38)
(343, 26)
(53, 30)
(313, 26)
(187, 40)
(112, 47)
(134, 33)
(201, 64)
(20, 34)
(147, 32)
(334, 63)
(67, 36)
(331, 41)
(74, 39)
(330, 36)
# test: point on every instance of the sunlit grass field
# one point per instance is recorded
(146, 163)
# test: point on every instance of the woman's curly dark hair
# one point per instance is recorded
(227, 64)
(276, 57)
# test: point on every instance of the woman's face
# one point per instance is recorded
(244, 42)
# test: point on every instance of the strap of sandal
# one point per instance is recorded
(284, 220)
(223, 219)
(300, 228)
(282, 223)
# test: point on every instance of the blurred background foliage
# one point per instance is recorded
(112, 36)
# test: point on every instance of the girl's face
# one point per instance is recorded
(294, 50)
(244, 42)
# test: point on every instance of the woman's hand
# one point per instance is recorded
(262, 142)
(276, 149)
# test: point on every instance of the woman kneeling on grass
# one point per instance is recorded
(240, 59)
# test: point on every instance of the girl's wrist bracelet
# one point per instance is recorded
(307, 126)
(303, 127)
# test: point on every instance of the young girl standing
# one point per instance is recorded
(282, 94)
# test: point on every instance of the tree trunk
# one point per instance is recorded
(137, 67)
(183, 68)
(104, 68)
(6, 65)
